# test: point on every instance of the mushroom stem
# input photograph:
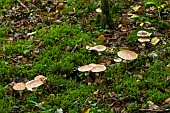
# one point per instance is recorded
(20, 94)
(96, 78)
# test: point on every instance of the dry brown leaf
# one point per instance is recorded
(101, 38)
(152, 106)
(167, 100)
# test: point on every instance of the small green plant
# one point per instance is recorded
(158, 4)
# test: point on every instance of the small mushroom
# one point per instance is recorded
(92, 64)
(98, 10)
(127, 55)
(85, 68)
(33, 84)
(89, 47)
(43, 79)
(98, 68)
(143, 34)
(19, 87)
(99, 48)
(40, 77)
(117, 59)
(143, 40)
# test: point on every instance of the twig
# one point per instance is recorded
(157, 111)
(74, 48)
(23, 5)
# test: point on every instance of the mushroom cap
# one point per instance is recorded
(85, 68)
(93, 64)
(99, 48)
(98, 68)
(117, 59)
(143, 33)
(127, 54)
(33, 83)
(98, 10)
(19, 86)
(89, 47)
(40, 77)
(143, 40)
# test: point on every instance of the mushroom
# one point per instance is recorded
(40, 77)
(98, 10)
(92, 64)
(117, 59)
(96, 69)
(99, 48)
(127, 55)
(43, 79)
(85, 68)
(33, 84)
(143, 34)
(19, 87)
(143, 41)
(89, 47)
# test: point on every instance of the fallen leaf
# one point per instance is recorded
(85, 109)
(101, 38)
(155, 40)
(136, 8)
(142, 24)
(125, 21)
(152, 106)
(167, 100)
(152, 8)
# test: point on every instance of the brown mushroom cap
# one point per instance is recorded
(127, 54)
(19, 86)
(85, 68)
(33, 84)
(98, 68)
(99, 48)
(40, 77)
(143, 33)
(143, 40)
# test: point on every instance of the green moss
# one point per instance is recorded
(156, 96)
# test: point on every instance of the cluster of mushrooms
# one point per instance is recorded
(92, 67)
(143, 39)
(30, 85)
(122, 54)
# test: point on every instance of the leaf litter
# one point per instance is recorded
(25, 16)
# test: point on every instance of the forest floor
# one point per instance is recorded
(53, 38)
